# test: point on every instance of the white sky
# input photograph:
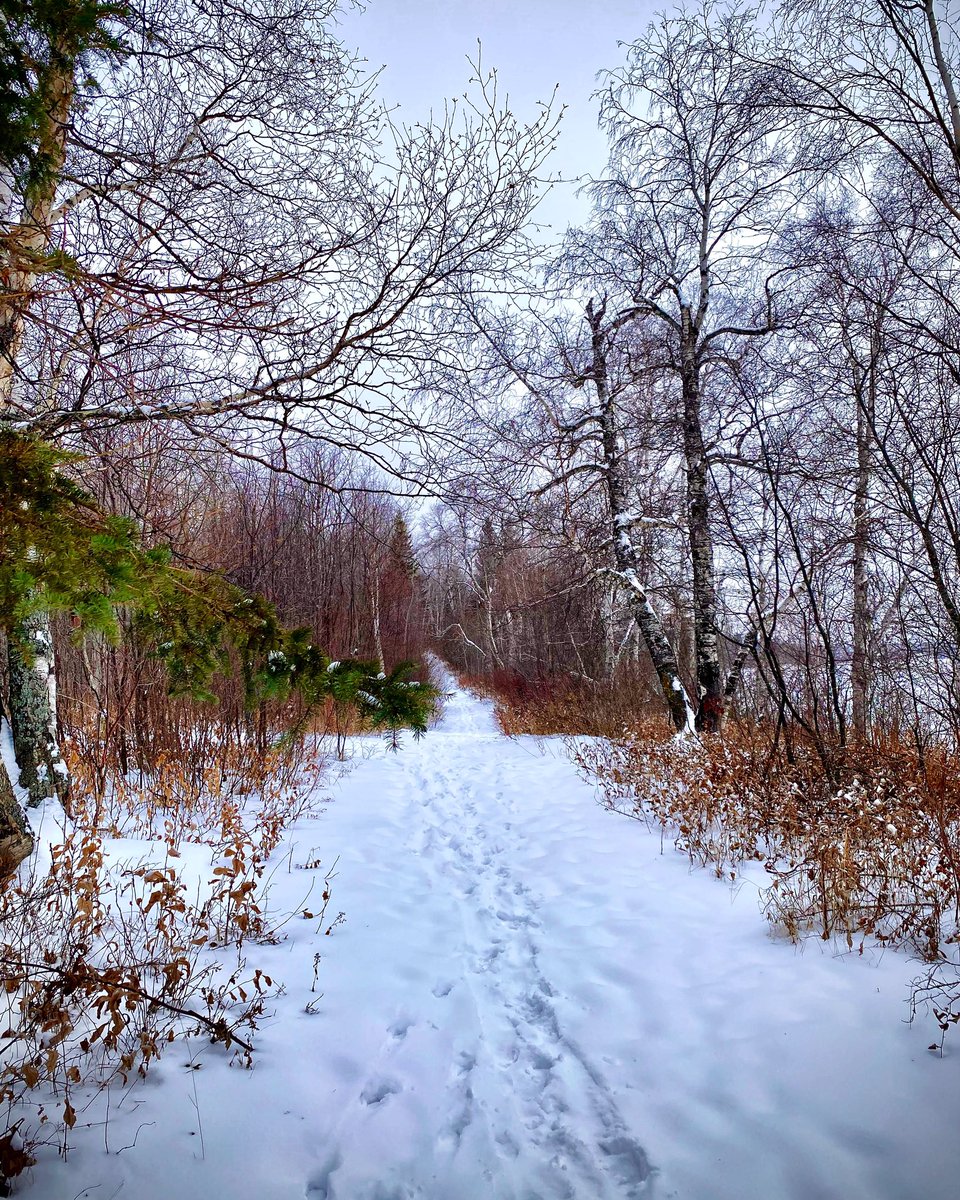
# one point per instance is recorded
(423, 46)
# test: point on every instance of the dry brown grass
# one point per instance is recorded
(561, 704)
(104, 966)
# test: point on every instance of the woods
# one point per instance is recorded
(295, 394)
(740, 378)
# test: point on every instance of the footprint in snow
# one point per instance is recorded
(465, 1062)
(514, 920)
(444, 988)
(508, 1144)
(319, 1187)
(377, 1090)
(628, 1160)
(400, 1028)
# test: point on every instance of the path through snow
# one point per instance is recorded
(529, 1001)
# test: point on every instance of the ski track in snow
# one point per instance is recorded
(531, 1000)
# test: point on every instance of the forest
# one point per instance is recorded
(307, 423)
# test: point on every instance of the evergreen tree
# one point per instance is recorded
(60, 554)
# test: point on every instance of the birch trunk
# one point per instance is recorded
(33, 714)
(377, 633)
(625, 555)
(608, 610)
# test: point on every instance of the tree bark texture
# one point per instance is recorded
(860, 663)
(33, 710)
(16, 840)
(25, 245)
(624, 551)
(710, 683)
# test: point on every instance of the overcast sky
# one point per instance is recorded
(423, 46)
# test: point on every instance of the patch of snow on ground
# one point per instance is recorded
(529, 1001)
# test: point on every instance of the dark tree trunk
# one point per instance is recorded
(710, 683)
(16, 840)
(860, 665)
(624, 551)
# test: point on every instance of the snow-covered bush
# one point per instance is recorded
(872, 851)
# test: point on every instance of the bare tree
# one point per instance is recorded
(217, 227)
(699, 182)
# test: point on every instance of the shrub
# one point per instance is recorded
(105, 964)
(564, 704)
(873, 853)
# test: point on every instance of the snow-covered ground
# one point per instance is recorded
(529, 1001)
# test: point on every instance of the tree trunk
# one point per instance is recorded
(33, 714)
(377, 632)
(860, 667)
(32, 682)
(608, 608)
(26, 243)
(16, 840)
(710, 684)
(624, 551)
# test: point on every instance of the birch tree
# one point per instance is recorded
(210, 221)
(699, 182)
(604, 418)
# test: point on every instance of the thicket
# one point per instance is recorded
(192, 714)
(552, 705)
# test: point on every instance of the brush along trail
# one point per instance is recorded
(531, 999)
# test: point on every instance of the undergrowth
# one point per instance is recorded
(107, 961)
(562, 704)
(866, 847)
(871, 853)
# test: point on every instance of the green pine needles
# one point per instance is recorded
(39, 38)
(60, 554)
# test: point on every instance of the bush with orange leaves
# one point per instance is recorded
(872, 849)
(869, 848)
(549, 705)
(104, 963)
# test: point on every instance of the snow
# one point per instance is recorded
(530, 999)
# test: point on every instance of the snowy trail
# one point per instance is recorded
(521, 1110)
(529, 1001)
(567, 1013)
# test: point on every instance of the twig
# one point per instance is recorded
(217, 1027)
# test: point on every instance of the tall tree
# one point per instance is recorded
(699, 181)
